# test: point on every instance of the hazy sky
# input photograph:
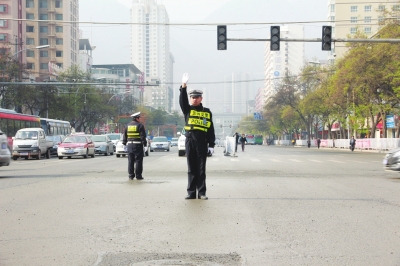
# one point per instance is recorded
(194, 48)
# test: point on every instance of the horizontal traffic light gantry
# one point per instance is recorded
(222, 37)
(326, 38)
(275, 38)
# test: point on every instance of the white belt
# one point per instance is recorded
(135, 142)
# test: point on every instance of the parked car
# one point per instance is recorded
(174, 142)
(115, 137)
(121, 149)
(76, 145)
(31, 143)
(56, 139)
(392, 160)
(103, 144)
(160, 143)
(181, 143)
(5, 154)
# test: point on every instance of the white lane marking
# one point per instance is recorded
(316, 161)
(335, 161)
(276, 161)
(234, 160)
(295, 160)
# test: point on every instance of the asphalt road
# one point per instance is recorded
(268, 206)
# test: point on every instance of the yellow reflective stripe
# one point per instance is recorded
(133, 131)
(195, 128)
(131, 135)
(132, 128)
(200, 114)
(198, 122)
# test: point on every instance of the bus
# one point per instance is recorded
(11, 122)
(55, 127)
(250, 139)
(258, 139)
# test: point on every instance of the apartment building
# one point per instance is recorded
(349, 16)
(289, 59)
(44, 22)
(150, 51)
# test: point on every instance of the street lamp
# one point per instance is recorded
(30, 48)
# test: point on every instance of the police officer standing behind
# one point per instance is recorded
(200, 139)
(135, 138)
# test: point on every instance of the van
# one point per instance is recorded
(31, 143)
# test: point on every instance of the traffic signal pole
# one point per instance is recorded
(318, 40)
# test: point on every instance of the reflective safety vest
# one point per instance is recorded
(133, 133)
(198, 120)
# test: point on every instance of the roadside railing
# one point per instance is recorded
(381, 144)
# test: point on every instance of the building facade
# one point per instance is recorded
(43, 23)
(349, 16)
(150, 51)
(289, 59)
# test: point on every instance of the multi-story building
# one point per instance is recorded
(289, 59)
(349, 16)
(237, 93)
(150, 51)
(44, 25)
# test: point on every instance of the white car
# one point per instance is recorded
(115, 137)
(120, 149)
(160, 143)
(181, 144)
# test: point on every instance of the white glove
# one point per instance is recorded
(185, 78)
(145, 149)
(211, 150)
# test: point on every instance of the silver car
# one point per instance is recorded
(160, 143)
(103, 144)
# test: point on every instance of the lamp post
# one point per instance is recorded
(30, 48)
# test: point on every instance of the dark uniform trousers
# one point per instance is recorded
(196, 154)
(135, 159)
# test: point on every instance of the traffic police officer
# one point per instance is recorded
(135, 138)
(200, 139)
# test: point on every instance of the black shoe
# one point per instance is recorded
(139, 178)
(131, 177)
(190, 197)
(203, 197)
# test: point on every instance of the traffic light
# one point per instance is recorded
(275, 38)
(222, 39)
(326, 38)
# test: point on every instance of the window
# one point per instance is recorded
(3, 8)
(381, 8)
(367, 30)
(30, 3)
(367, 19)
(44, 41)
(353, 30)
(368, 8)
(30, 41)
(59, 53)
(59, 41)
(396, 7)
(3, 23)
(30, 53)
(30, 16)
(43, 17)
(58, 3)
(3, 37)
(59, 16)
(59, 64)
(42, 3)
(44, 54)
(30, 66)
(30, 28)
(353, 9)
(44, 65)
(332, 8)
(333, 18)
(59, 28)
(381, 18)
(353, 19)
(43, 29)
(3, 51)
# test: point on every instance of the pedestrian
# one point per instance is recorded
(309, 143)
(200, 139)
(243, 141)
(236, 136)
(318, 142)
(135, 139)
(293, 142)
(352, 143)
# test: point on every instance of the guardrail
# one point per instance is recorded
(382, 144)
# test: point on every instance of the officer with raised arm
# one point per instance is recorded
(200, 139)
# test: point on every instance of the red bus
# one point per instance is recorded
(11, 122)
